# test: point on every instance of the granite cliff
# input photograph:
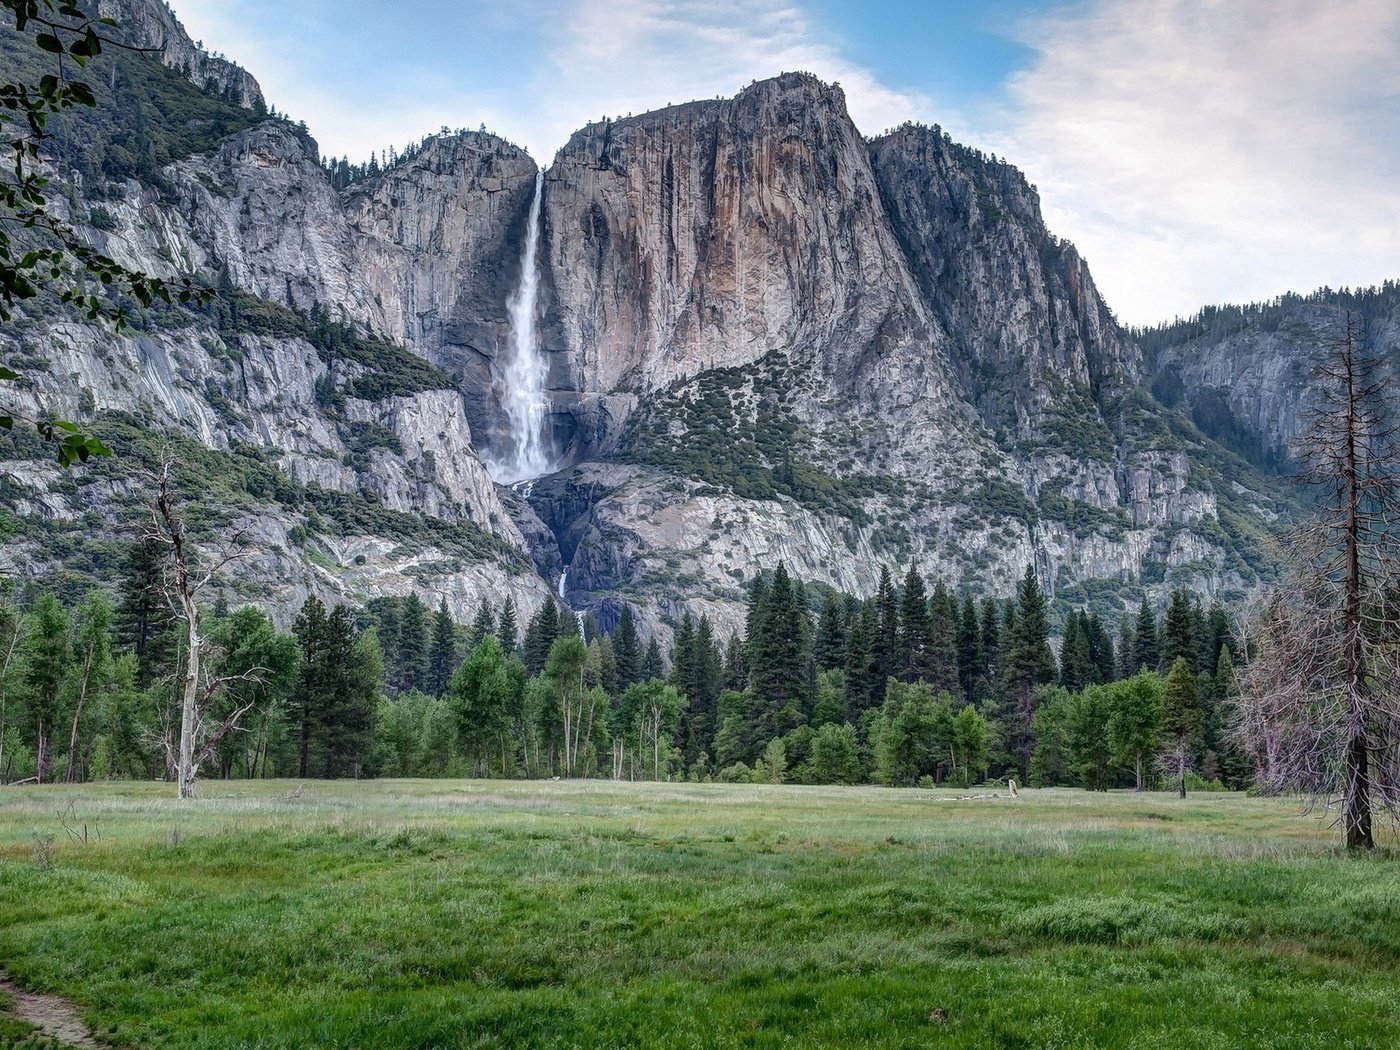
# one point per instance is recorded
(767, 337)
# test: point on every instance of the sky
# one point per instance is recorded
(1195, 151)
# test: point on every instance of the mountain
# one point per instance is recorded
(1243, 373)
(765, 337)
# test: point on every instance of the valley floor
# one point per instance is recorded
(426, 914)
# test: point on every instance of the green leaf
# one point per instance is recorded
(49, 42)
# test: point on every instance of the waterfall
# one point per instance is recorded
(578, 616)
(525, 373)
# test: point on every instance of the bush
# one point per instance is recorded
(738, 773)
(774, 762)
(835, 756)
(1196, 782)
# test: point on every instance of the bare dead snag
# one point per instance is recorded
(1319, 709)
(198, 689)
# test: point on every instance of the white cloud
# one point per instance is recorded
(612, 57)
(1207, 150)
(578, 61)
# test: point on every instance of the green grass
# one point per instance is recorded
(503, 914)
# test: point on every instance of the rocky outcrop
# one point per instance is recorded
(1244, 373)
(898, 311)
(412, 454)
(1019, 304)
(262, 213)
(437, 241)
(709, 235)
(152, 25)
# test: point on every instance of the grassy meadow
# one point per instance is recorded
(451, 914)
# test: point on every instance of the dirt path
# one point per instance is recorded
(54, 1015)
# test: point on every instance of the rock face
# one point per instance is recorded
(708, 235)
(1019, 305)
(1243, 373)
(151, 24)
(768, 339)
(437, 241)
(942, 371)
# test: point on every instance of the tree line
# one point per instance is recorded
(914, 685)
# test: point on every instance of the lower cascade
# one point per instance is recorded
(578, 616)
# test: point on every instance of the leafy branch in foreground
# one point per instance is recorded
(39, 252)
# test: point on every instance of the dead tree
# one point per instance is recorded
(199, 735)
(11, 634)
(1320, 705)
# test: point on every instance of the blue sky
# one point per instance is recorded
(1195, 151)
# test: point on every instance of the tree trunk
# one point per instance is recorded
(1357, 800)
(78, 713)
(189, 697)
(1357, 792)
(4, 694)
(305, 748)
(189, 611)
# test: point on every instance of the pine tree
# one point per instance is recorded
(442, 652)
(829, 645)
(482, 626)
(1123, 654)
(1216, 637)
(702, 686)
(412, 661)
(386, 618)
(653, 667)
(862, 665)
(310, 631)
(1146, 650)
(991, 643)
(144, 622)
(540, 636)
(46, 664)
(913, 632)
(971, 658)
(1100, 651)
(1178, 637)
(777, 662)
(507, 632)
(1076, 661)
(682, 649)
(1027, 663)
(337, 721)
(758, 599)
(1181, 720)
(940, 657)
(626, 649)
(736, 664)
(1235, 768)
(886, 640)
